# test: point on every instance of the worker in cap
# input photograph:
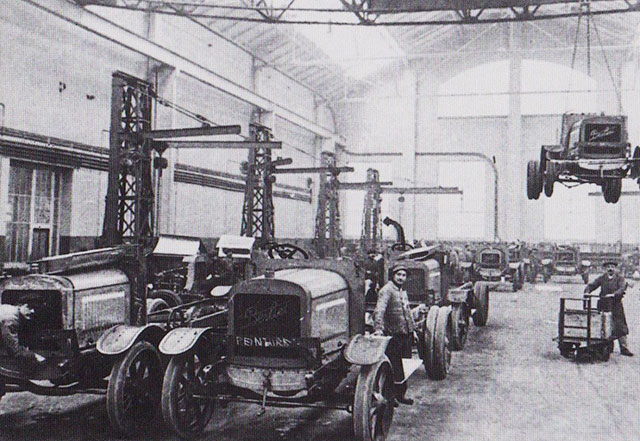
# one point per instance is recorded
(373, 274)
(612, 288)
(393, 318)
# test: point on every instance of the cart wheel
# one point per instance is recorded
(373, 402)
(186, 415)
(460, 327)
(604, 352)
(133, 393)
(567, 350)
(429, 334)
(442, 345)
(481, 297)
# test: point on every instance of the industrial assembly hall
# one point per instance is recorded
(320, 220)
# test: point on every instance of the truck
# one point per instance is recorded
(593, 149)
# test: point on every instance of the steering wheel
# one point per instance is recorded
(177, 318)
(286, 251)
(399, 247)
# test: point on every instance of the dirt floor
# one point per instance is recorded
(509, 383)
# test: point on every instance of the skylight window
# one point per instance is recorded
(359, 51)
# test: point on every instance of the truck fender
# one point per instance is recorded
(365, 350)
(180, 340)
(121, 338)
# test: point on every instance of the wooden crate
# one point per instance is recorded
(601, 324)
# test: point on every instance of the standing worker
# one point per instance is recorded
(612, 285)
(393, 317)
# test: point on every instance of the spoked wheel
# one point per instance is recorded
(549, 179)
(460, 327)
(185, 414)
(429, 337)
(286, 251)
(373, 402)
(481, 297)
(442, 345)
(135, 385)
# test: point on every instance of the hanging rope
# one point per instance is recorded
(606, 62)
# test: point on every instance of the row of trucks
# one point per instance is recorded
(286, 333)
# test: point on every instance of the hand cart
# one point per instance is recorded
(584, 332)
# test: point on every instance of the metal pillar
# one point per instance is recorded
(371, 234)
(328, 235)
(257, 210)
(129, 203)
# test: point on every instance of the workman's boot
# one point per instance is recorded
(405, 400)
(626, 352)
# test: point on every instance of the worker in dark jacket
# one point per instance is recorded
(11, 317)
(612, 285)
(393, 317)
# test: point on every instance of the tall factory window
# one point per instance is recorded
(34, 199)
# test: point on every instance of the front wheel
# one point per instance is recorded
(533, 180)
(185, 414)
(442, 345)
(373, 402)
(133, 393)
(549, 179)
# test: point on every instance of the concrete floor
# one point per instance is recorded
(509, 383)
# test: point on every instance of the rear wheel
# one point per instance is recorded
(532, 179)
(460, 326)
(186, 415)
(373, 402)
(135, 385)
(481, 297)
(549, 179)
(442, 345)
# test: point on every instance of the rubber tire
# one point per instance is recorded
(459, 326)
(442, 345)
(171, 298)
(549, 179)
(170, 412)
(116, 389)
(567, 350)
(155, 305)
(429, 338)
(532, 180)
(615, 190)
(481, 297)
(365, 391)
(539, 182)
(604, 352)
